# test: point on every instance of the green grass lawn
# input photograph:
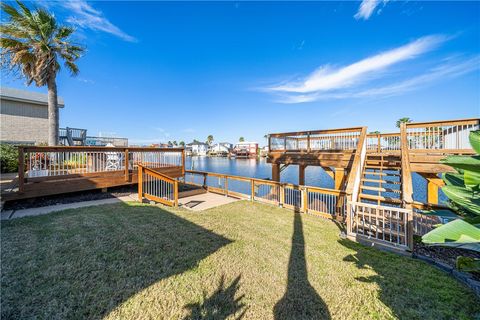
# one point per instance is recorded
(256, 261)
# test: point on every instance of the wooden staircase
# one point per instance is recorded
(381, 181)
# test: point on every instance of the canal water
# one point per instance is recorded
(259, 168)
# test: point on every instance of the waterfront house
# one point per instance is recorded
(199, 148)
(24, 116)
(220, 149)
(246, 149)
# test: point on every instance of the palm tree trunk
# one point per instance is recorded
(52, 112)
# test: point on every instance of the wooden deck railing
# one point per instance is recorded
(407, 184)
(328, 203)
(310, 141)
(49, 163)
(383, 142)
(156, 186)
(441, 136)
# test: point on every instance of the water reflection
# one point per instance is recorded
(259, 168)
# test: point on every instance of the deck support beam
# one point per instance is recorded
(434, 183)
(339, 178)
(275, 172)
(301, 174)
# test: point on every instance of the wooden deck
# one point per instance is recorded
(47, 171)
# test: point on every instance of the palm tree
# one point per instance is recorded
(242, 139)
(403, 120)
(32, 43)
(209, 139)
(182, 143)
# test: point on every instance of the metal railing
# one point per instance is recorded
(337, 139)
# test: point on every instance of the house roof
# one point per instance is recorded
(197, 143)
(27, 96)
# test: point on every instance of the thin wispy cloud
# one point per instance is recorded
(367, 8)
(328, 78)
(447, 70)
(86, 17)
(358, 78)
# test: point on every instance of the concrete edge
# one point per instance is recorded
(32, 212)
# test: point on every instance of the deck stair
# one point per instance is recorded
(381, 180)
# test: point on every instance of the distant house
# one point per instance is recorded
(199, 148)
(246, 149)
(221, 149)
(24, 116)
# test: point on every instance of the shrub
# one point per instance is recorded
(8, 158)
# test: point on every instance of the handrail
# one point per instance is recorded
(356, 163)
(407, 186)
(156, 173)
(264, 181)
(443, 123)
(94, 148)
(323, 131)
(162, 190)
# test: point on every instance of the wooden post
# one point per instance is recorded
(140, 183)
(407, 186)
(432, 192)
(339, 178)
(175, 193)
(183, 163)
(226, 185)
(308, 142)
(276, 172)
(282, 195)
(204, 180)
(301, 174)
(21, 169)
(379, 147)
(304, 193)
(252, 190)
(126, 156)
(434, 183)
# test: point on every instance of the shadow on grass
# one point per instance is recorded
(411, 288)
(85, 264)
(220, 305)
(301, 300)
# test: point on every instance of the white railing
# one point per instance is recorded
(387, 225)
(61, 161)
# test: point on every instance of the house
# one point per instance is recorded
(220, 149)
(246, 149)
(199, 148)
(24, 116)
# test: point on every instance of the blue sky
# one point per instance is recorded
(158, 71)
